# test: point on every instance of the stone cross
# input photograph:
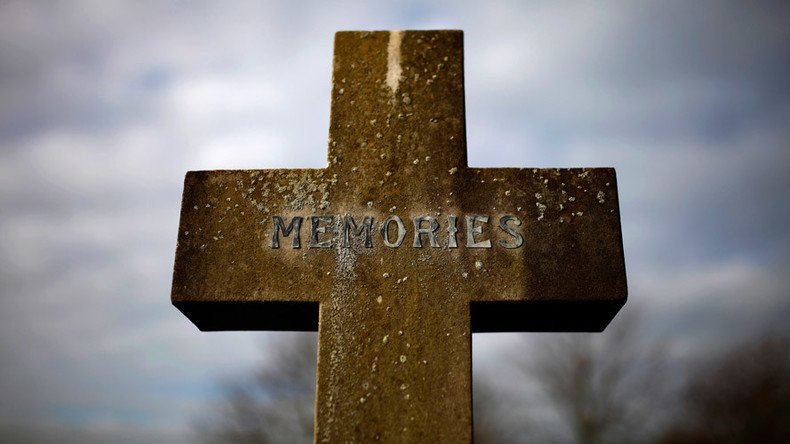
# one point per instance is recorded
(397, 251)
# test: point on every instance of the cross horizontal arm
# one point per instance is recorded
(568, 232)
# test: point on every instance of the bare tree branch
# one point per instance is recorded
(605, 388)
(276, 405)
(742, 397)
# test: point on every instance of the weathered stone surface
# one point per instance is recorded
(395, 323)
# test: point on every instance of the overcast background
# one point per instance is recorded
(104, 106)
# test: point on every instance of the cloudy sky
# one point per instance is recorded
(104, 106)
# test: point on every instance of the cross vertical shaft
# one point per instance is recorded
(397, 124)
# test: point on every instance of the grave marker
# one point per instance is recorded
(397, 251)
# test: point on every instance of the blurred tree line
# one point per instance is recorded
(605, 388)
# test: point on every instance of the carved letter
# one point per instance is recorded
(316, 221)
(452, 229)
(385, 234)
(350, 226)
(511, 231)
(471, 229)
(430, 231)
(296, 224)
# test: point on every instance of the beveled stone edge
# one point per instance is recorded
(251, 315)
(590, 316)
(486, 316)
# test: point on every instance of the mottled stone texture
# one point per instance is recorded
(394, 324)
